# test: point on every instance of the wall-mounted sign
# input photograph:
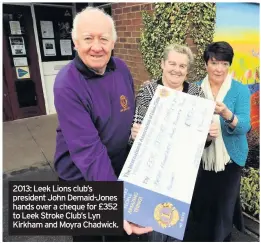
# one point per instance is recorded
(15, 27)
(17, 46)
(49, 48)
(66, 47)
(20, 61)
(22, 72)
(47, 29)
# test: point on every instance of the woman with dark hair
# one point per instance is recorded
(218, 183)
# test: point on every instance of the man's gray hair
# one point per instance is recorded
(92, 10)
(179, 49)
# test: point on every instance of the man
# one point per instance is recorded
(94, 100)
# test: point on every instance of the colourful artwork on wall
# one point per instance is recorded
(238, 24)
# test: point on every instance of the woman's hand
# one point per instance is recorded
(213, 132)
(134, 130)
(131, 228)
(222, 110)
(226, 114)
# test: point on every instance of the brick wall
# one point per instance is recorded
(128, 21)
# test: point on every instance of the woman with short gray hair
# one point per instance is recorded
(179, 49)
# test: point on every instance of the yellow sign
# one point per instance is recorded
(22, 72)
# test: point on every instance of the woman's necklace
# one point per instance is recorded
(215, 93)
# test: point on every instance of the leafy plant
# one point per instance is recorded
(174, 23)
(249, 192)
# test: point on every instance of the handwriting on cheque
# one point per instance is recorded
(153, 149)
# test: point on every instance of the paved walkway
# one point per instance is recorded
(28, 148)
(28, 142)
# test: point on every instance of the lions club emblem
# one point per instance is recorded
(124, 103)
(163, 92)
(166, 215)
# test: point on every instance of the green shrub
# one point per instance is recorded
(249, 192)
(174, 23)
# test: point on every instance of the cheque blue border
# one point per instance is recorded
(147, 208)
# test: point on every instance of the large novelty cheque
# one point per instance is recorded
(160, 172)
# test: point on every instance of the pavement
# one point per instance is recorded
(28, 149)
(28, 142)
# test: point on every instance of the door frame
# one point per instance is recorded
(7, 101)
(31, 5)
